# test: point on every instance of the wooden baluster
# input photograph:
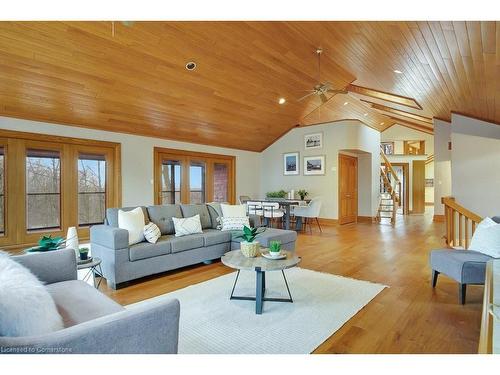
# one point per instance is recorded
(466, 232)
(447, 221)
(460, 231)
(453, 227)
(473, 228)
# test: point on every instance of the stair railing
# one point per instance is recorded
(392, 183)
(460, 223)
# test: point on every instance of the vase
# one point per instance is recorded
(72, 241)
(250, 249)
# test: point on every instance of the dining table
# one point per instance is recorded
(286, 204)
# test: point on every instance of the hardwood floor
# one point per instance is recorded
(407, 317)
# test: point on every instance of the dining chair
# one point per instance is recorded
(311, 211)
(271, 211)
(255, 208)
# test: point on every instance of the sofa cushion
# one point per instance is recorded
(193, 241)
(78, 302)
(144, 250)
(162, 216)
(465, 266)
(271, 234)
(112, 215)
(190, 210)
(215, 212)
(214, 237)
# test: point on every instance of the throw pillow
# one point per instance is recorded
(237, 210)
(234, 223)
(486, 238)
(133, 221)
(188, 225)
(151, 232)
(26, 306)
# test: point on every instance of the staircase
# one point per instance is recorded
(390, 199)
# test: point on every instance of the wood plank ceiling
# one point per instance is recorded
(135, 81)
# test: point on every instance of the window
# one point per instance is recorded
(43, 189)
(171, 175)
(197, 182)
(2, 191)
(49, 183)
(91, 189)
(192, 177)
(221, 182)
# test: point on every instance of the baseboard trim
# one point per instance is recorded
(327, 222)
(366, 219)
(438, 218)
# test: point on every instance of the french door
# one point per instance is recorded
(192, 177)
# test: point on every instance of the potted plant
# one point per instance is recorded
(277, 194)
(275, 249)
(250, 247)
(84, 253)
(302, 194)
(48, 243)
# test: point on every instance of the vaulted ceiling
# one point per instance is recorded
(132, 78)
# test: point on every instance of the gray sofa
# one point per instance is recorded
(122, 263)
(93, 322)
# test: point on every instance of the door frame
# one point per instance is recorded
(406, 185)
(340, 173)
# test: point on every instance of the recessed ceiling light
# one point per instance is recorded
(382, 123)
(398, 71)
(366, 114)
(282, 101)
(191, 65)
(346, 103)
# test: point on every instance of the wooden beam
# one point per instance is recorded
(414, 126)
(382, 95)
(399, 112)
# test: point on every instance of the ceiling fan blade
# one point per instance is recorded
(337, 91)
(305, 96)
(323, 97)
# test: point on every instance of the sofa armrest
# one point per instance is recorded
(108, 236)
(50, 266)
(147, 327)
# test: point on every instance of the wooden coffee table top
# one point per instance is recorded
(235, 259)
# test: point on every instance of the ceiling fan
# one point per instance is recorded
(321, 89)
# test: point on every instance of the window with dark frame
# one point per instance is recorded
(91, 189)
(171, 175)
(43, 189)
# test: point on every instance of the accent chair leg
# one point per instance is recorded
(434, 278)
(319, 226)
(462, 288)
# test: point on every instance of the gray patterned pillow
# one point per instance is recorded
(234, 223)
(151, 232)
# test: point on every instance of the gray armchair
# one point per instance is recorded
(93, 322)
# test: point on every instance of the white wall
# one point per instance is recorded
(475, 164)
(137, 158)
(345, 135)
(442, 164)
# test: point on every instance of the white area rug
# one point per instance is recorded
(211, 323)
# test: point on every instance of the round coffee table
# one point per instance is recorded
(235, 259)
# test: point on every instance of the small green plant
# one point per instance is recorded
(47, 243)
(274, 246)
(249, 234)
(302, 194)
(277, 194)
(84, 253)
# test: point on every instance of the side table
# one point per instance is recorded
(94, 269)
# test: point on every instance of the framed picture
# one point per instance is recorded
(291, 164)
(313, 141)
(314, 165)
(388, 148)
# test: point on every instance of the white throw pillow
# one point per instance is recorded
(152, 232)
(186, 226)
(237, 210)
(234, 223)
(486, 238)
(133, 221)
(26, 306)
